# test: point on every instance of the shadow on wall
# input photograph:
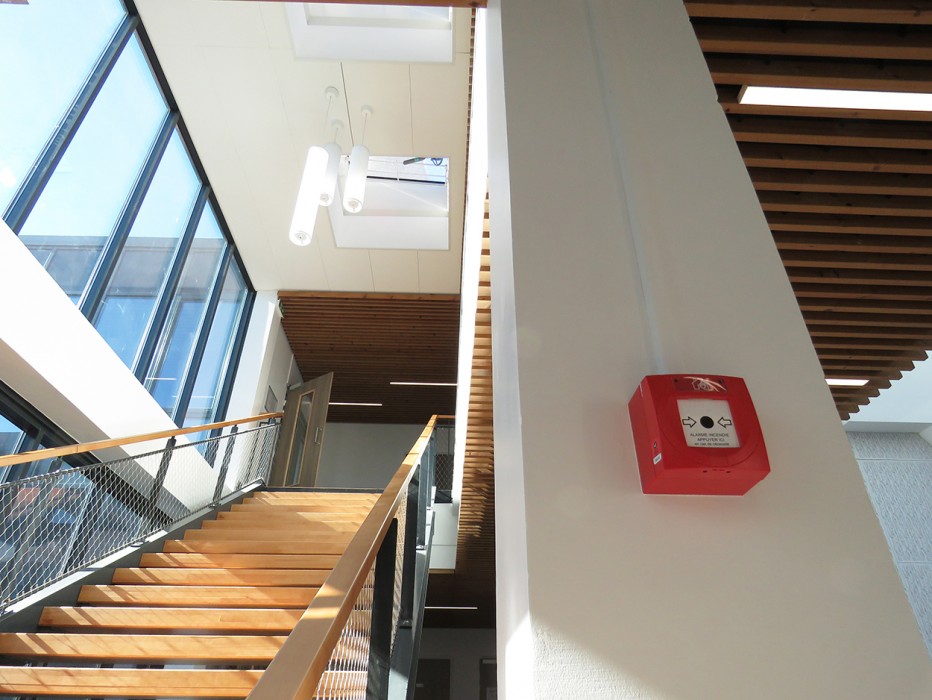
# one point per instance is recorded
(364, 455)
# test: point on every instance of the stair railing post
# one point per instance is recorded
(157, 485)
(383, 596)
(224, 466)
(412, 525)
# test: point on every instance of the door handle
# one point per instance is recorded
(318, 432)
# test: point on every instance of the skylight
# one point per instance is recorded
(835, 99)
(335, 31)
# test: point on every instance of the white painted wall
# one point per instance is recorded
(465, 648)
(364, 455)
(267, 360)
(615, 155)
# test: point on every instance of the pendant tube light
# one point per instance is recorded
(354, 192)
(304, 218)
(305, 209)
(329, 186)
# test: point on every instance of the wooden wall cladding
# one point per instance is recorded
(370, 340)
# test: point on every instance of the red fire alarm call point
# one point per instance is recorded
(697, 434)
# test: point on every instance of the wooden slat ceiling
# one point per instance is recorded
(369, 340)
(846, 192)
(473, 581)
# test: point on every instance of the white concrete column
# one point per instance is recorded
(610, 154)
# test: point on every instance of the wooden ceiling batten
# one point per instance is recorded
(472, 583)
(846, 192)
(368, 340)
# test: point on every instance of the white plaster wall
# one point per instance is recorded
(465, 648)
(364, 455)
(266, 361)
(616, 153)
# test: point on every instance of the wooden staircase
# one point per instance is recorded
(220, 602)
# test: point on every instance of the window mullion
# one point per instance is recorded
(32, 186)
(239, 340)
(190, 375)
(100, 276)
(170, 286)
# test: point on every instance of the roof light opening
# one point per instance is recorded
(845, 382)
(835, 99)
(423, 383)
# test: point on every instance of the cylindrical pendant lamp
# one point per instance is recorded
(354, 193)
(305, 209)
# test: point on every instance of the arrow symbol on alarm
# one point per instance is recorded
(724, 422)
(688, 421)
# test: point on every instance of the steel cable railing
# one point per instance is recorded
(57, 523)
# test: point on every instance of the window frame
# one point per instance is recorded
(91, 296)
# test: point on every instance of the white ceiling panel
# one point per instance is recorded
(438, 114)
(253, 109)
(395, 270)
(439, 273)
(386, 87)
(209, 23)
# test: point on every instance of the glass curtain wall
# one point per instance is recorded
(97, 179)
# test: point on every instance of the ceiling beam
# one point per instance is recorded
(867, 11)
(785, 179)
(831, 132)
(772, 39)
(818, 156)
(898, 76)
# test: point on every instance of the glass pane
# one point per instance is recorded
(130, 297)
(84, 197)
(54, 45)
(300, 437)
(185, 317)
(203, 406)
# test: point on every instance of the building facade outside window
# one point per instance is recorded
(100, 182)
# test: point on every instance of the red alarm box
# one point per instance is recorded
(697, 434)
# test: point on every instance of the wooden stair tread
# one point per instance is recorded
(136, 683)
(241, 561)
(200, 596)
(271, 620)
(271, 534)
(235, 546)
(178, 576)
(280, 527)
(288, 507)
(339, 496)
(148, 648)
(287, 516)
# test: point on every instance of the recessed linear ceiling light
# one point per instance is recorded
(352, 403)
(451, 607)
(423, 383)
(846, 382)
(835, 99)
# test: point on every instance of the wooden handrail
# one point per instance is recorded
(290, 676)
(35, 455)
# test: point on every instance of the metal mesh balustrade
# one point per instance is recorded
(58, 523)
(401, 515)
(347, 672)
(442, 453)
